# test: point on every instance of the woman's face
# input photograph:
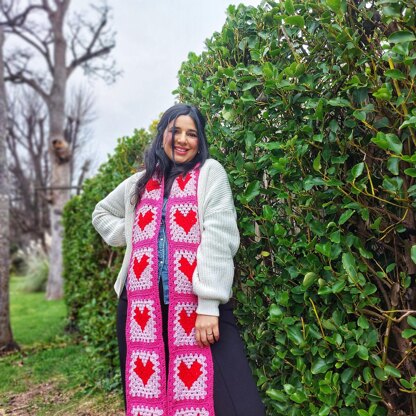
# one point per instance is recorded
(185, 136)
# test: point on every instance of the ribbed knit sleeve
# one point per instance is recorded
(220, 239)
(108, 217)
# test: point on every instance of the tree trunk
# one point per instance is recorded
(60, 156)
(6, 337)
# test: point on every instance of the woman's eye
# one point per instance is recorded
(193, 135)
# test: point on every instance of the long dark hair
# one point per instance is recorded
(157, 161)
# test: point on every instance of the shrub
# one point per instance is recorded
(310, 107)
(91, 267)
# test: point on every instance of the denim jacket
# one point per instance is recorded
(162, 254)
(162, 251)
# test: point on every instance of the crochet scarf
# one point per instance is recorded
(188, 390)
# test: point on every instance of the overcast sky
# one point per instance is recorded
(153, 38)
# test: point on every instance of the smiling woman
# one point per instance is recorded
(180, 348)
(180, 140)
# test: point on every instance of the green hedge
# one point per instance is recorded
(311, 109)
(90, 266)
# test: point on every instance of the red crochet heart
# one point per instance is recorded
(185, 221)
(187, 321)
(145, 219)
(189, 374)
(141, 317)
(139, 266)
(152, 185)
(144, 371)
(187, 268)
(182, 182)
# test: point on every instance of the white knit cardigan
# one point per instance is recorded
(213, 277)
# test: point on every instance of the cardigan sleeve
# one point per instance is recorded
(220, 239)
(108, 217)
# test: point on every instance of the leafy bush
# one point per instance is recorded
(311, 108)
(91, 267)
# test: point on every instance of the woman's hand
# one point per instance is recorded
(206, 330)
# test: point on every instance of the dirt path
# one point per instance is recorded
(47, 399)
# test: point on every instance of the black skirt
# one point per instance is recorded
(235, 392)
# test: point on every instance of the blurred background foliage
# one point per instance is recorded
(311, 109)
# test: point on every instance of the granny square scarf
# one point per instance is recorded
(188, 390)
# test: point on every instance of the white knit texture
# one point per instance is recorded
(212, 281)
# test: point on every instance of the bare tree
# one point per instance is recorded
(6, 336)
(79, 115)
(27, 142)
(43, 34)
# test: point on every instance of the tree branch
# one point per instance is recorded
(19, 19)
(20, 78)
(43, 50)
(87, 57)
(89, 52)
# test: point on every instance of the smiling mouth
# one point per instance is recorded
(180, 150)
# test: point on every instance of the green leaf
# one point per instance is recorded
(392, 371)
(357, 170)
(276, 395)
(317, 162)
(250, 85)
(298, 21)
(319, 366)
(383, 93)
(324, 248)
(252, 191)
(290, 9)
(347, 374)
(388, 141)
(367, 374)
(298, 397)
(339, 102)
(345, 216)
(324, 410)
(362, 352)
(275, 313)
(309, 182)
(348, 262)
(380, 374)
(393, 165)
(309, 279)
(289, 389)
(402, 36)
(394, 74)
(360, 115)
(410, 122)
(405, 383)
(295, 335)
(363, 322)
(411, 320)
(413, 253)
(410, 172)
(409, 333)
(351, 351)
(334, 5)
(338, 286)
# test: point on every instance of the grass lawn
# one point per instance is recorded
(46, 377)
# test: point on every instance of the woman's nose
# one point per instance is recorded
(181, 137)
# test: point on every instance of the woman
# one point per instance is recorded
(180, 350)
